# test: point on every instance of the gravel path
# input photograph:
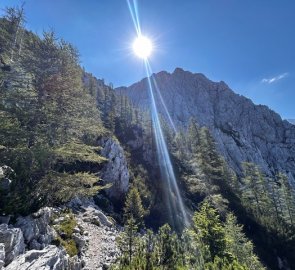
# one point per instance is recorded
(101, 249)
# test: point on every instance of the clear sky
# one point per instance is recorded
(248, 44)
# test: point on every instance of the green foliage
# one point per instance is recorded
(224, 264)
(133, 207)
(65, 232)
(255, 192)
(56, 188)
(209, 245)
(208, 228)
(238, 245)
(74, 151)
(264, 196)
(128, 241)
(50, 124)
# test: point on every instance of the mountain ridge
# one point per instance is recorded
(243, 130)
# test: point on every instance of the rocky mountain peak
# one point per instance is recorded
(243, 131)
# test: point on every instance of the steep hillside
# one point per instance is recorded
(243, 131)
(86, 176)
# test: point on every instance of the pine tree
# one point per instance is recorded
(238, 245)
(128, 241)
(254, 191)
(288, 196)
(193, 135)
(209, 159)
(133, 207)
(209, 230)
(167, 248)
(16, 18)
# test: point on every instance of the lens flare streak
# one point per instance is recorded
(161, 98)
(173, 196)
(133, 9)
(177, 212)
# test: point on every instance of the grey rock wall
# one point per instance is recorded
(243, 131)
(115, 171)
(12, 241)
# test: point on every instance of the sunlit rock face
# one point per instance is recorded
(12, 244)
(243, 131)
(115, 172)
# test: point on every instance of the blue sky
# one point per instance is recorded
(248, 44)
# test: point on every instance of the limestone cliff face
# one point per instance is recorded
(115, 171)
(243, 131)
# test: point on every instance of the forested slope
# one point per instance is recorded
(62, 130)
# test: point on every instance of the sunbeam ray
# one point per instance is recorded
(133, 9)
(174, 204)
(161, 98)
(178, 214)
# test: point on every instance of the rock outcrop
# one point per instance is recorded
(243, 131)
(29, 246)
(12, 241)
(115, 171)
(36, 229)
(51, 257)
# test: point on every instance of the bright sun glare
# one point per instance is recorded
(142, 47)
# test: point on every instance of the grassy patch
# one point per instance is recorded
(65, 231)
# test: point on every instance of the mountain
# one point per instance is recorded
(81, 165)
(243, 131)
(292, 121)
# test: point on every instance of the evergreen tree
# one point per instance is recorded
(238, 245)
(193, 135)
(209, 160)
(128, 242)
(209, 230)
(167, 248)
(288, 196)
(133, 207)
(254, 190)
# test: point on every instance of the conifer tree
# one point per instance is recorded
(209, 230)
(238, 245)
(133, 207)
(209, 159)
(254, 191)
(128, 241)
(288, 198)
(193, 135)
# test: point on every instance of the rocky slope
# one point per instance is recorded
(28, 244)
(243, 131)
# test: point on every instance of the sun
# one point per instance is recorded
(142, 47)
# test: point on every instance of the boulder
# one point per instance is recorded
(50, 258)
(36, 230)
(13, 241)
(79, 240)
(102, 218)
